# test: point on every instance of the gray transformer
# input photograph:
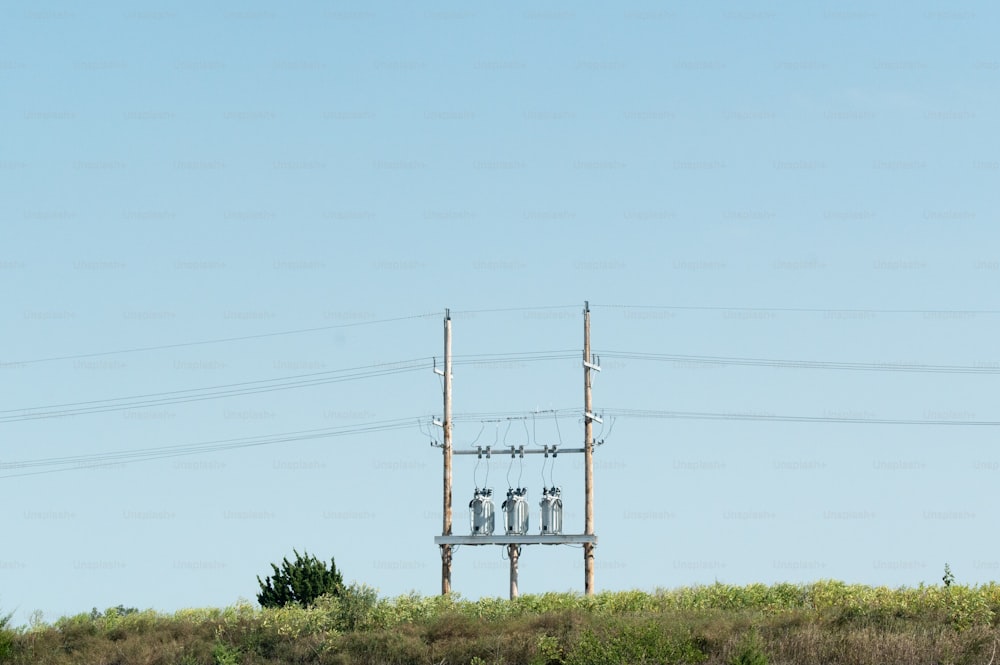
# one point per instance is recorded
(515, 511)
(552, 511)
(481, 513)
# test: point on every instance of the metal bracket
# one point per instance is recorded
(596, 419)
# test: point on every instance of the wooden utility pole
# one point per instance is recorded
(588, 455)
(446, 427)
(513, 552)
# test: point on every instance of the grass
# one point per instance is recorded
(825, 622)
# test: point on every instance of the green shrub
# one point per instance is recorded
(549, 651)
(225, 655)
(634, 644)
(301, 581)
(6, 638)
(354, 609)
(749, 651)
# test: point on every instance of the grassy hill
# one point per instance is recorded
(825, 622)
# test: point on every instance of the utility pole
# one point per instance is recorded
(513, 552)
(588, 454)
(446, 427)
(483, 512)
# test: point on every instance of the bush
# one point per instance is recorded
(635, 643)
(300, 582)
(749, 651)
(353, 609)
(6, 637)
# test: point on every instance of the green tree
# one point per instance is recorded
(301, 581)
(948, 576)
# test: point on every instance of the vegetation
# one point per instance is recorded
(825, 622)
(302, 582)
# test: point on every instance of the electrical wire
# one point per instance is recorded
(804, 310)
(558, 432)
(148, 400)
(210, 392)
(758, 417)
(220, 340)
(611, 429)
(512, 309)
(71, 462)
(500, 416)
(240, 338)
(487, 359)
(552, 471)
(803, 364)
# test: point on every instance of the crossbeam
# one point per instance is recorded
(515, 451)
(538, 539)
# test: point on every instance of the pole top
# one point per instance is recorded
(586, 305)
(447, 314)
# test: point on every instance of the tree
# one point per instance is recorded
(948, 576)
(301, 581)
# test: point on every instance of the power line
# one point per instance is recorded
(149, 400)
(221, 340)
(513, 309)
(486, 359)
(809, 310)
(801, 364)
(201, 394)
(77, 462)
(766, 417)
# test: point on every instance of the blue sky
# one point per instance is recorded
(757, 180)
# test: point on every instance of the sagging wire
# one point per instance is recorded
(479, 458)
(482, 426)
(509, 467)
(496, 438)
(427, 432)
(533, 440)
(510, 422)
(545, 461)
(611, 428)
(552, 471)
(475, 473)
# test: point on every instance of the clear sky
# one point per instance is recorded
(767, 180)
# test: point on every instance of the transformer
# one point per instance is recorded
(552, 513)
(481, 514)
(515, 511)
